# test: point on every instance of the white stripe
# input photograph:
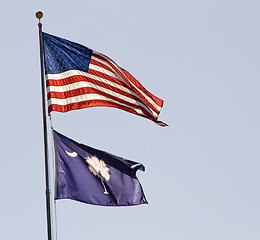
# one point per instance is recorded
(139, 90)
(88, 97)
(84, 84)
(103, 70)
(106, 64)
(67, 74)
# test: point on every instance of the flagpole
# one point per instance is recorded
(39, 15)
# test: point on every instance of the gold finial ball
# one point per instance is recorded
(39, 14)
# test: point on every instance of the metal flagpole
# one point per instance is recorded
(39, 15)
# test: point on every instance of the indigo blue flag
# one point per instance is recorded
(95, 177)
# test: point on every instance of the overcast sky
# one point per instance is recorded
(202, 172)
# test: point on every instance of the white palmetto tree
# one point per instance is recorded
(99, 169)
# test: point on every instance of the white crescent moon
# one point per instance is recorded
(73, 154)
(135, 165)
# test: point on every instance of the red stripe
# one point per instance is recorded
(92, 103)
(157, 100)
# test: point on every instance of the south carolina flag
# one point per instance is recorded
(96, 177)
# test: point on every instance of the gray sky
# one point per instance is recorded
(202, 172)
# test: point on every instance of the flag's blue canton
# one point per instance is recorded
(96, 177)
(62, 55)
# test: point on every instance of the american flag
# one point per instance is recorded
(78, 77)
